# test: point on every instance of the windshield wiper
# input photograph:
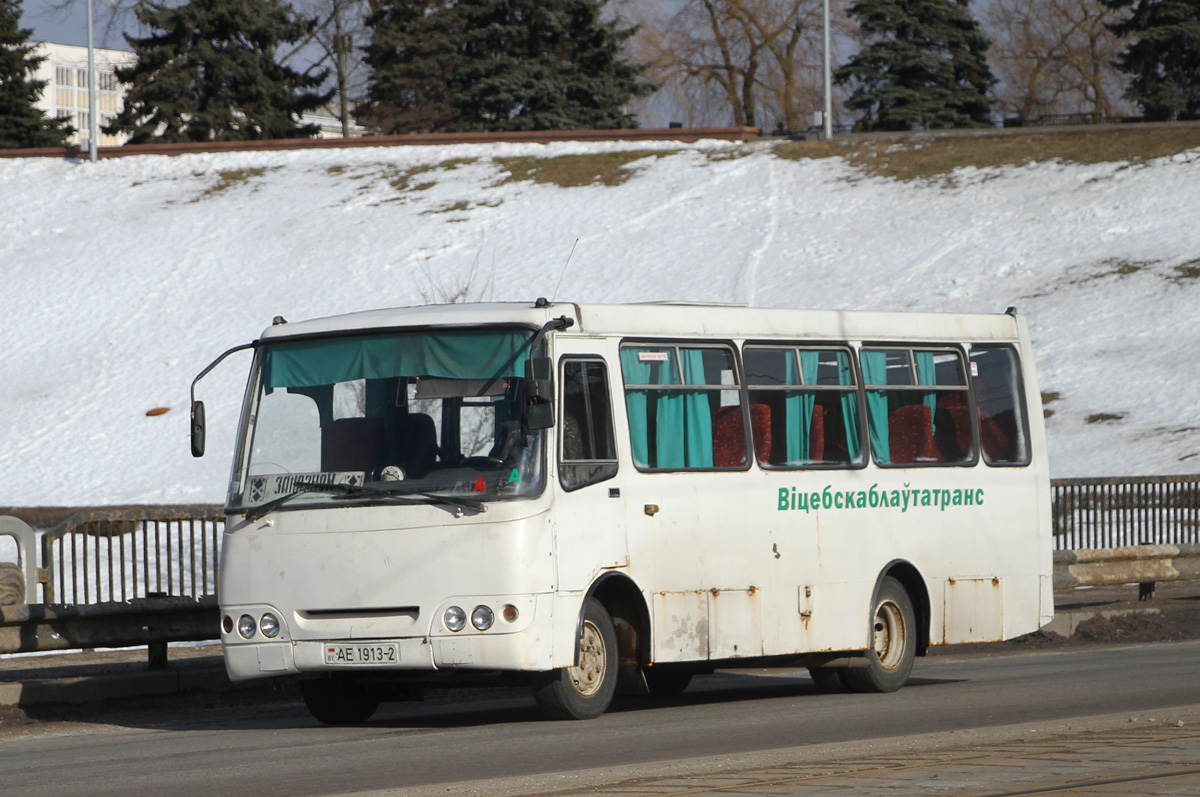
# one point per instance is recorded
(401, 492)
(301, 488)
(362, 490)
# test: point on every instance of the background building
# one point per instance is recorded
(66, 96)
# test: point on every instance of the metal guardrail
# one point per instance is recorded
(1123, 511)
(149, 576)
(112, 578)
(104, 556)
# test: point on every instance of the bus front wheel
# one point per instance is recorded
(893, 642)
(338, 701)
(585, 690)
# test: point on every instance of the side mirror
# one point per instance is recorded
(539, 393)
(539, 416)
(197, 428)
(537, 379)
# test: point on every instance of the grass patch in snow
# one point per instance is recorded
(402, 180)
(1112, 268)
(1047, 397)
(572, 171)
(1186, 272)
(227, 179)
(908, 156)
(1104, 417)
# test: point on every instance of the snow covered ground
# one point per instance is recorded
(119, 281)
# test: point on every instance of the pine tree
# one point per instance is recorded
(23, 124)
(208, 72)
(474, 65)
(1163, 57)
(925, 66)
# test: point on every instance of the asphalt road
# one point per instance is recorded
(277, 749)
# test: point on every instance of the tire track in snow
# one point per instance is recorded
(746, 284)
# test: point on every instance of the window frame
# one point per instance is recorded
(1023, 404)
(913, 347)
(739, 387)
(856, 388)
(605, 468)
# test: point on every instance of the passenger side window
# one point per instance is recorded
(918, 408)
(684, 407)
(587, 454)
(803, 406)
(1003, 431)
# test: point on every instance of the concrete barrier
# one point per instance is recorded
(1131, 564)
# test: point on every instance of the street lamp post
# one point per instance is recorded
(828, 114)
(93, 127)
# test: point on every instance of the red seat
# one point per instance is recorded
(910, 435)
(955, 406)
(729, 438)
(996, 444)
(816, 435)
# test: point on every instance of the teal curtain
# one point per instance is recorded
(636, 372)
(798, 407)
(927, 375)
(684, 433)
(849, 406)
(793, 411)
(874, 366)
(450, 354)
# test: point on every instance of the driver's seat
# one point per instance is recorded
(418, 445)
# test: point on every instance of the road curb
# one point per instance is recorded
(111, 686)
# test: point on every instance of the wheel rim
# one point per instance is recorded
(889, 635)
(589, 675)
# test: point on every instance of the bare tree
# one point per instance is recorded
(336, 43)
(1054, 56)
(752, 62)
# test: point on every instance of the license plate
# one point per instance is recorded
(363, 653)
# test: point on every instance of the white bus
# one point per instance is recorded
(595, 498)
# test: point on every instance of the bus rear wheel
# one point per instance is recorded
(338, 701)
(585, 690)
(893, 642)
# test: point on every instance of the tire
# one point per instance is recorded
(665, 681)
(893, 642)
(829, 679)
(337, 701)
(585, 691)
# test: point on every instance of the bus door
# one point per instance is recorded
(589, 511)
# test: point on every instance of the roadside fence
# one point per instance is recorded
(149, 576)
(112, 578)
(1123, 511)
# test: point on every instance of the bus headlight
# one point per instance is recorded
(247, 626)
(455, 618)
(482, 618)
(269, 625)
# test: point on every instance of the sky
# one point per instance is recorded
(70, 26)
(123, 279)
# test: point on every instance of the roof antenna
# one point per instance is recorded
(554, 295)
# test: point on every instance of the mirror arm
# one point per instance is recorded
(215, 363)
(560, 323)
(197, 407)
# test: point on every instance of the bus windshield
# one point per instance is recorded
(433, 416)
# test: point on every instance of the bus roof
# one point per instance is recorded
(677, 320)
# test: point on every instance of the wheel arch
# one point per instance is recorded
(624, 602)
(914, 584)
